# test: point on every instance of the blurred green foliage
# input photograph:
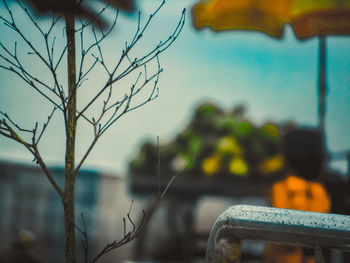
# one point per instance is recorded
(217, 144)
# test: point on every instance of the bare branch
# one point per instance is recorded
(97, 43)
(24, 38)
(13, 123)
(136, 230)
(85, 241)
(60, 58)
(47, 172)
(31, 83)
(94, 141)
(92, 19)
(17, 68)
(135, 64)
(158, 166)
(48, 62)
(114, 108)
(7, 131)
(45, 125)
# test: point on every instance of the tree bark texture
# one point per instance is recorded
(71, 122)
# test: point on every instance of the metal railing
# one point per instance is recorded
(283, 226)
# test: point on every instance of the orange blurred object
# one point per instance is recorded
(297, 193)
(286, 254)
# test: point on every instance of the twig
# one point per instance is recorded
(16, 66)
(7, 131)
(85, 241)
(137, 62)
(158, 166)
(135, 231)
(97, 43)
(45, 125)
(113, 110)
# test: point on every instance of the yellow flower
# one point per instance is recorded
(228, 144)
(238, 166)
(272, 164)
(211, 165)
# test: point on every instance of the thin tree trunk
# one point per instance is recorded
(68, 200)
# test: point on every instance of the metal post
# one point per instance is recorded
(322, 82)
(348, 164)
(318, 255)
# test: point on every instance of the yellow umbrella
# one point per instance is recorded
(266, 16)
(308, 18)
(320, 18)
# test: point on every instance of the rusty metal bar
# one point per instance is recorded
(276, 225)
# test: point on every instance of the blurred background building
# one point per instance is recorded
(29, 203)
(32, 215)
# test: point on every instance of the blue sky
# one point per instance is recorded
(275, 79)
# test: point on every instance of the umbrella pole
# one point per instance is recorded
(322, 86)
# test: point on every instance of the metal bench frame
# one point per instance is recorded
(283, 226)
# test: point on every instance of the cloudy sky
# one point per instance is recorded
(275, 79)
